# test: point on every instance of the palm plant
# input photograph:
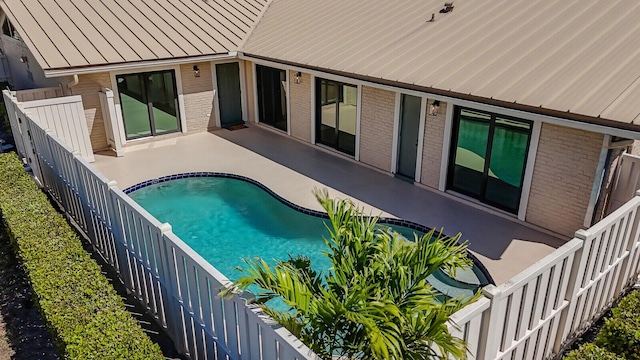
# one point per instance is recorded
(375, 302)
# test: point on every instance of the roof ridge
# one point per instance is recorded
(254, 25)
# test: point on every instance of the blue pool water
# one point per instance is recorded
(226, 220)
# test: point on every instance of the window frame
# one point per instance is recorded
(339, 97)
(487, 159)
(144, 75)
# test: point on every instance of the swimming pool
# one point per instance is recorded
(226, 218)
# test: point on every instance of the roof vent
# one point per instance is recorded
(448, 7)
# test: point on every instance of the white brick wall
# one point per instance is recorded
(250, 90)
(89, 86)
(432, 148)
(635, 148)
(198, 97)
(300, 98)
(562, 178)
(376, 127)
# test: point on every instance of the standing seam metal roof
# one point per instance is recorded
(575, 56)
(80, 33)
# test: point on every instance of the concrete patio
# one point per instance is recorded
(292, 169)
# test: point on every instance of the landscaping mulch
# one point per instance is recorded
(23, 334)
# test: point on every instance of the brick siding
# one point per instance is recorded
(432, 148)
(198, 97)
(89, 86)
(300, 99)
(250, 91)
(376, 127)
(562, 178)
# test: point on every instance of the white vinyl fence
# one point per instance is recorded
(531, 316)
(627, 181)
(39, 94)
(63, 115)
(177, 285)
(111, 128)
(536, 313)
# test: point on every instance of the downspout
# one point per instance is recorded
(603, 171)
(598, 180)
(72, 83)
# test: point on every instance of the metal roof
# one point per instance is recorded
(572, 56)
(80, 33)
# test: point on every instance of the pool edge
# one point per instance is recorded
(382, 220)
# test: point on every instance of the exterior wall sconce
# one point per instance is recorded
(296, 77)
(24, 59)
(196, 71)
(434, 108)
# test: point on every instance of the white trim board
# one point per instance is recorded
(423, 122)
(528, 171)
(313, 110)
(243, 91)
(446, 145)
(216, 102)
(287, 99)
(133, 67)
(358, 116)
(396, 133)
(466, 103)
(256, 110)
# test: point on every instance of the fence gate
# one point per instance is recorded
(626, 183)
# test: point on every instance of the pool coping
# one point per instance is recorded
(381, 220)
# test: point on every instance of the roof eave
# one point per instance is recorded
(566, 115)
(135, 65)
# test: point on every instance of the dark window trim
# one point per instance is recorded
(149, 104)
(318, 111)
(260, 95)
(492, 125)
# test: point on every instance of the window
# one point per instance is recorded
(488, 157)
(272, 96)
(336, 115)
(149, 103)
(8, 29)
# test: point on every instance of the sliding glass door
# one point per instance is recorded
(336, 115)
(488, 157)
(149, 103)
(272, 96)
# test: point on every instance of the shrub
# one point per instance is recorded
(84, 314)
(4, 119)
(629, 308)
(591, 352)
(620, 336)
(621, 332)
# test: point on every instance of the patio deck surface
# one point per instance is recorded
(292, 169)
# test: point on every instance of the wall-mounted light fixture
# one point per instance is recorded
(296, 77)
(24, 59)
(434, 107)
(196, 71)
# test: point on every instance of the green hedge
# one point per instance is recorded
(621, 332)
(81, 309)
(591, 352)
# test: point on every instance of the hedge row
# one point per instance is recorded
(84, 314)
(619, 337)
(621, 332)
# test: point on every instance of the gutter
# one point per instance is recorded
(72, 83)
(564, 118)
(80, 70)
